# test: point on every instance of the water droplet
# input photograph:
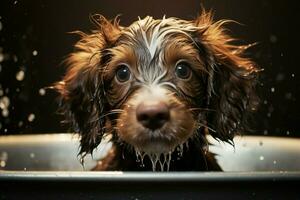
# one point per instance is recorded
(288, 95)
(31, 155)
(1, 57)
(42, 91)
(20, 123)
(265, 102)
(4, 102)
(272, 89)
(31, 117)
(261, 157)
(280, 77)
(273, 38)
(20, 75)
(5, 113)
(288, 132)
(35, 53)
(2, 163)
(15, 58)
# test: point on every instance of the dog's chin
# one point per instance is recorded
(158, 142)
(156, 147)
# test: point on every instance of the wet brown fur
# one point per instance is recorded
(219, 95)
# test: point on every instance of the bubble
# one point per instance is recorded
(31, 117)
(35, 53)
(42, 91)
(273, 38)
(288, 132)
(265, 102)
(272, 89)
(269, 114)
(15, 2)
(20, 75)
(261, 157)
(265, 132)
(293, 75)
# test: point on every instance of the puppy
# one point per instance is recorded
(156, 88)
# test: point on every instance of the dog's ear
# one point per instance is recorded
(231, 78)
(81, 91)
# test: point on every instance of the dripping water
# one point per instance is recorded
(159, 161)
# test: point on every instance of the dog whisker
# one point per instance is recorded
(209, 128)
(116, 111)
(202, 109)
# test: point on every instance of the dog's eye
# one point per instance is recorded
(183, 70)
(123, 73)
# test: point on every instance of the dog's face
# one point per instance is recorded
(157, 83)
(155, 78)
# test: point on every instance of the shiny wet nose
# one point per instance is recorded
(152, 114)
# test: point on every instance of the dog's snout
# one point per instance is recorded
(152, 114)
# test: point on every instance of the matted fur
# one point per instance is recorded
(216, 99)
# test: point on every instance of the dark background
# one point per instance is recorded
(34, 40)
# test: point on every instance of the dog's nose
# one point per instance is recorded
(152, 114)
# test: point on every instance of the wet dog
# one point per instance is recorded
(156, 88)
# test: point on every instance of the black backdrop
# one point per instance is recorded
(34, 41)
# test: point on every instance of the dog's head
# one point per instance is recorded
(157, 83)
